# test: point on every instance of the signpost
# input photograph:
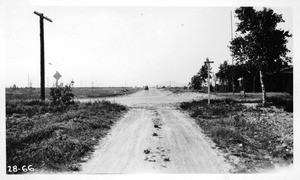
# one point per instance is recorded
(42, 17)
(57, 76)
(208, 81)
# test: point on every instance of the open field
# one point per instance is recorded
(53, 139)
(79, 92)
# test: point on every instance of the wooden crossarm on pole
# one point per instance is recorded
(42, 16)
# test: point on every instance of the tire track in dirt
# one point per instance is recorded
(157, 153)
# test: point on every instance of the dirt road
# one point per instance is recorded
(155, 137)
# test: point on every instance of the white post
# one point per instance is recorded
(208, 78)
(208, 83)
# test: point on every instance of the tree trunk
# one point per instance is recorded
(262, 87)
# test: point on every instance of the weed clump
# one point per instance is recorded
(62, 96)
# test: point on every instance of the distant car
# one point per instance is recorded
(146, 88)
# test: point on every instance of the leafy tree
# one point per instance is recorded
(196, 82)
(203, 72)
(224, 74)
(200, 77)
(260, 43)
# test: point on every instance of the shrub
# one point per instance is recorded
(62, 95)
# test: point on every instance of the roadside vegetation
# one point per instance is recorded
(261, 60)
(253, 138)
(57, 134)
(79, 92)
(279, 99)
(178, 90)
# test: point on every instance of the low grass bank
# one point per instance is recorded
(278, 99)
(253, 139)
(79, 92)
(99, 92)
(178, 90)
(53, 138)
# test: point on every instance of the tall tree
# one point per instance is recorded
(200, 77)
(196, 82)
(203, 72)
(260, 42)
(224, 74)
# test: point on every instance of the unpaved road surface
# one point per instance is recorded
(155, 137)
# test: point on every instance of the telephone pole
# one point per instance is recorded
(42, 17)
(208, 78)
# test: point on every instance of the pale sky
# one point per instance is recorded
(111, 46)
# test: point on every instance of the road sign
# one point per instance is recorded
(57, 75)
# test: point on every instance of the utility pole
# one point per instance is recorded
(233, 87)
(42, 17)
(208, 81)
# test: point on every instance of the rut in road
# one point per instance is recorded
(155, 138)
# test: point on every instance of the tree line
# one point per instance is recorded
(259, 49)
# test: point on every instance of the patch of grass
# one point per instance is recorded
(56, 140)
(259, 137)
(79, 92)
(27, 107)
(25, 93)
(217, 108)
(280, 100)
(177, 90)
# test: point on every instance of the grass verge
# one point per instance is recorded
(55, 139)
(253, 139)
(79, 92)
